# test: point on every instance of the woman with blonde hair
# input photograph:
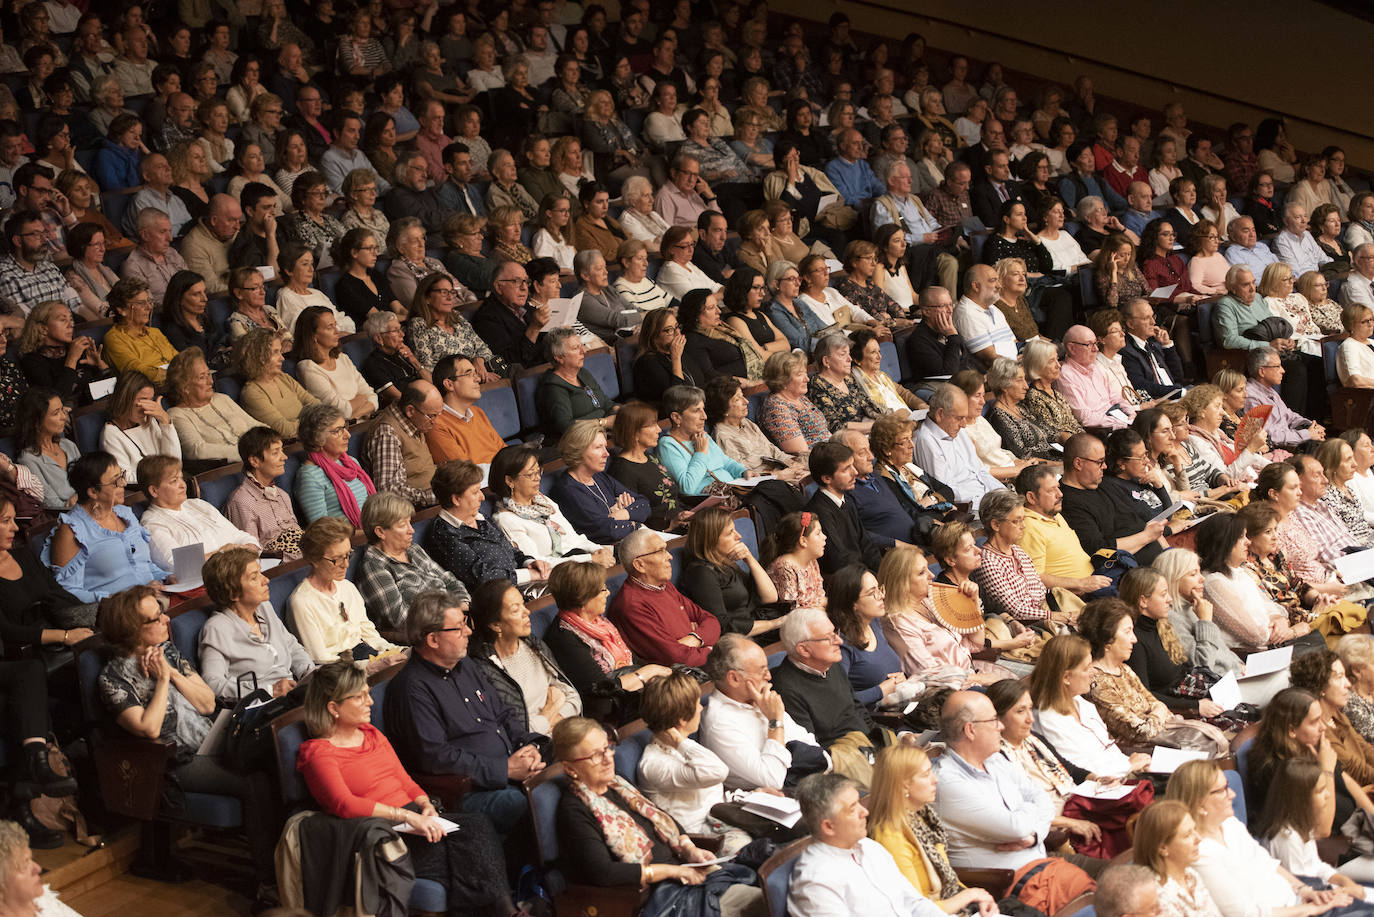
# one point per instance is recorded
(903, 820)
(269, 395)
(505, 225)
(1166, 843)
(1276, 285)
(1313, 287)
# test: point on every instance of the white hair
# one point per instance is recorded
(797, 627)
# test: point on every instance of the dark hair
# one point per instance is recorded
(781, 147)
(452, 478)
(539, 268)
(1274, 742)
(485, 609)
(508, 463)
(15, 224)
(1312, 670)
(1025, 169)
(826, 458)
(180, 284)
(1119, 446)
(843, 588)
(1215, 539)
(1271, 478)
(1029, 478)
(690, 309)
(588, 190)
(737, 288)
(85, 473)
(32, 406)
(1289, 802)
(304, 184)
(306, 324)
(253, 192)
(719, 391)
(446, 370)
(1099, 621)
(1005, 693)
(1149, 239)
(79, 239)
(254, 443)
(859, 340)
(784, 538)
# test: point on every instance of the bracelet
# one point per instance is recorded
(64, 637)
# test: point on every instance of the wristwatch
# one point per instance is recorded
(774, 724)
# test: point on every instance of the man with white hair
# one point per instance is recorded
(390, 366)
(927, 260)
(747, 724)
(659, 623)
(412, 195)
(843, 871)
(941, 443)
(816, 691)
(1358, 288)
(1295, 245)
(1126, 890)
(1285, 427)
(994, 815)
(984, 326)
(154, 261)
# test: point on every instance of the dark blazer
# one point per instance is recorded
(987, 206)
(846, 542)
(504, 333)
(1141, 372)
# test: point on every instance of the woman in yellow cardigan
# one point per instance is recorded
(269, 395)
(131, 344)
(902, 819)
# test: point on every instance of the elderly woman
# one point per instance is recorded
(860, 285)
(639, 219)
(678, 274)
(789, 418)
(633, 284)
(410, 264)
(1043, 403)
(1207, 266)
(758, 248)
(175, 522)
(269, 395)
(258, 506)
(1012, 301)
(517, 664)
(247, 637)
(51, 355)
(638, 467)
(712, 343)
(1022, 436)
(297, 265)
(465, 542)
(618, 153)
(790, 315)
(1357, 655)
(506, 191)
(687, 450)
(727, 419)
(131, 343)
(568, 392)
(505, 225)
(616, 837)
(248, 295)
(353, 772)
(1212, 446)
(464, 259)
(844, 403)
(43, 448)
(308, 224)
(529, 518)
(328, 612)
(330, 481)
(1355, 358)
(999, 461)
(1310, 319)
(596, 504)
(325, 370)
(1006, 578)
(99, 547)
(436, 328)
(393, 569)
(866, 357)
(603, 310)
(138, 424)
(207, 423)
(1337, 458)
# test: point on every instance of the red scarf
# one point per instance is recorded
(602, 637)
(340, 473)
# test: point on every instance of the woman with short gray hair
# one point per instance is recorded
(394, 568)
(1006, 577)
(603, 309)
(1020, 435)
(568, 392)
(689, 453)
(844, 403)
(1044, 406)
(330, 481)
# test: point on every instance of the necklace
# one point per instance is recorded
(596, 489)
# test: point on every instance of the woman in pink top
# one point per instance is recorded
(1207, 269)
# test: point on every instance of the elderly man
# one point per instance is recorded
(179, 126)
(91, 59)
(431, 141)
(832, 468)
(1140, 202)
(994, 188)
(1358, 288)
(153, 261)
(883, 517)
(927, 258)
(462, 430)
(157, 194)
(412, 197)
(1100, 522)
(982, 325)
(1295, 245)
(850, 173)
(935, 347)
(390, 366)
(343, 155)
(256, 243)
(1319, 524)
(1090, 390)
(748, 726)
(1242, 309)
(1123, 171)
(1149, 357)
(844, 871)
(1286, 428)
(395, 453)
(659, 623)
(505, 321)
(1059, 559)
(1246, 248)
(1126, 890)
(949, 201)
(206, 246)
(994, 815)
(444, 717)
(455, 193)
(27, 276)
(940, 442)
(134, 69)
(816, 691)
(290, 76)
(686, 195)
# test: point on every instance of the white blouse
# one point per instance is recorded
(685, 781)
(681, 279)
(648, 227)
(1065, 252)
(1242, 877)
(197, 522)
(1084, 740)
(338, 386)
(290, 305)
(545, 247)
(536, 538)
(1354, 359)
(322, 629)
(131, 446)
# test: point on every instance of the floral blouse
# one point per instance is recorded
(840, 408)
(782, 420)
(318, 237)
(13, 385)
(1284, 586)
(1050, 410)
(1128, 287)
(803, 587)
(1021, 435)
(872, 298)
(1191, 899)
(430, 343)
(123, 685)
(1360, 712)
(1133, 715)
(1347, 507)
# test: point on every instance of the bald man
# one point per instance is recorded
(396, 454)
(980, 323)
(206, 246)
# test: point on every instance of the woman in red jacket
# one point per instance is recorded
(353, 772)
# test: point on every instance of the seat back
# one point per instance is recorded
(601, 364)
(744, 524)
(1329, 351)
(1237, 785)
(89, 423)
(890, 365)
(776, 875)
(280, 588)
(543, 612)
(215, 487)
(525, 385)
(186, 628)
(629, 750)
(499, 404)
(288, 733)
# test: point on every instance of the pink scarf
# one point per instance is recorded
(340, 473)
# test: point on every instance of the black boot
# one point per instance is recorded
(37, 770)
(41, 837)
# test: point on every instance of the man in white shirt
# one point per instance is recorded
(746, 725)
(994, 816)
(1358, 288)
(981, 324)
(1295, 245)
(943, 446)
(843, 872)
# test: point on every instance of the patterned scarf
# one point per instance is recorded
(607, 646)
(626, 839)
(753, 362)
(930, 835)
(340, 473)
(541, 510)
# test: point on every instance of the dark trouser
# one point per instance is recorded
(505, 807)
(468, 863)
(261, 812)
(1056, 304)
(24, 684)
(1304, 385)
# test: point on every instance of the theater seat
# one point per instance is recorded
(498, 403)
(776, 875)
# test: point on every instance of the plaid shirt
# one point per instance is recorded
(1009, 584)
(23, 289)
(947, 209)
(1311, 538)
(388, 585)
(386, 461)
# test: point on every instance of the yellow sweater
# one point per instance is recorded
(911, 859)
(148, 352)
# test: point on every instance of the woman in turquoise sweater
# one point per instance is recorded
(330, 482)
(687, 450)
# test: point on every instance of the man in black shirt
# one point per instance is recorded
(1092, 514)
(715, 254)
(832, 468)
(256, 243)
(504, 321)
(935, 347)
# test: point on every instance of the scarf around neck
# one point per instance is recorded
(623, 835)
(604, 641)
(340, 473)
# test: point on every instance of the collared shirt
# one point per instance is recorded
(916, 219)
(1091, 392)
(387, 585)
(387, 459)
(336, 164)
(831, 881)
(1357, 290)
(462, 198)
(1161, 373)
(1053, 547)
(23, 289)
(1285, 426)
(948, 209)
(1327, 533)
(854, 180)
(988, 806)
(681, 209)
(172, 134)
(263, 511)
(738, 734)
(157, 274)
(1257, 258)
(956, 462)
(1301, 253)
(433, 150)
(983, 328)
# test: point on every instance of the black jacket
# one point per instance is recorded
(987, 206)
(930, 356)
(1142, 374)
(846, 542)
(504, 333)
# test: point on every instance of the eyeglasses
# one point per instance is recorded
(156, 619)
(600, 756)
(831, 637)
(119, 481)
(338, 561)
(335, 431)
(875, 592)
(1101, 463)
(518, 281)
(662, 550)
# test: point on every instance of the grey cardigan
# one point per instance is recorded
(1203, 641)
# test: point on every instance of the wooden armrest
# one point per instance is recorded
(449, 789)
(995, 882)
(988, 654)
(1056, 838)
(130, 772)
(891, 719)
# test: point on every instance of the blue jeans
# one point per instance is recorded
(505, 807)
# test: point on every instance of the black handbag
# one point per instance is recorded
(248, 745)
